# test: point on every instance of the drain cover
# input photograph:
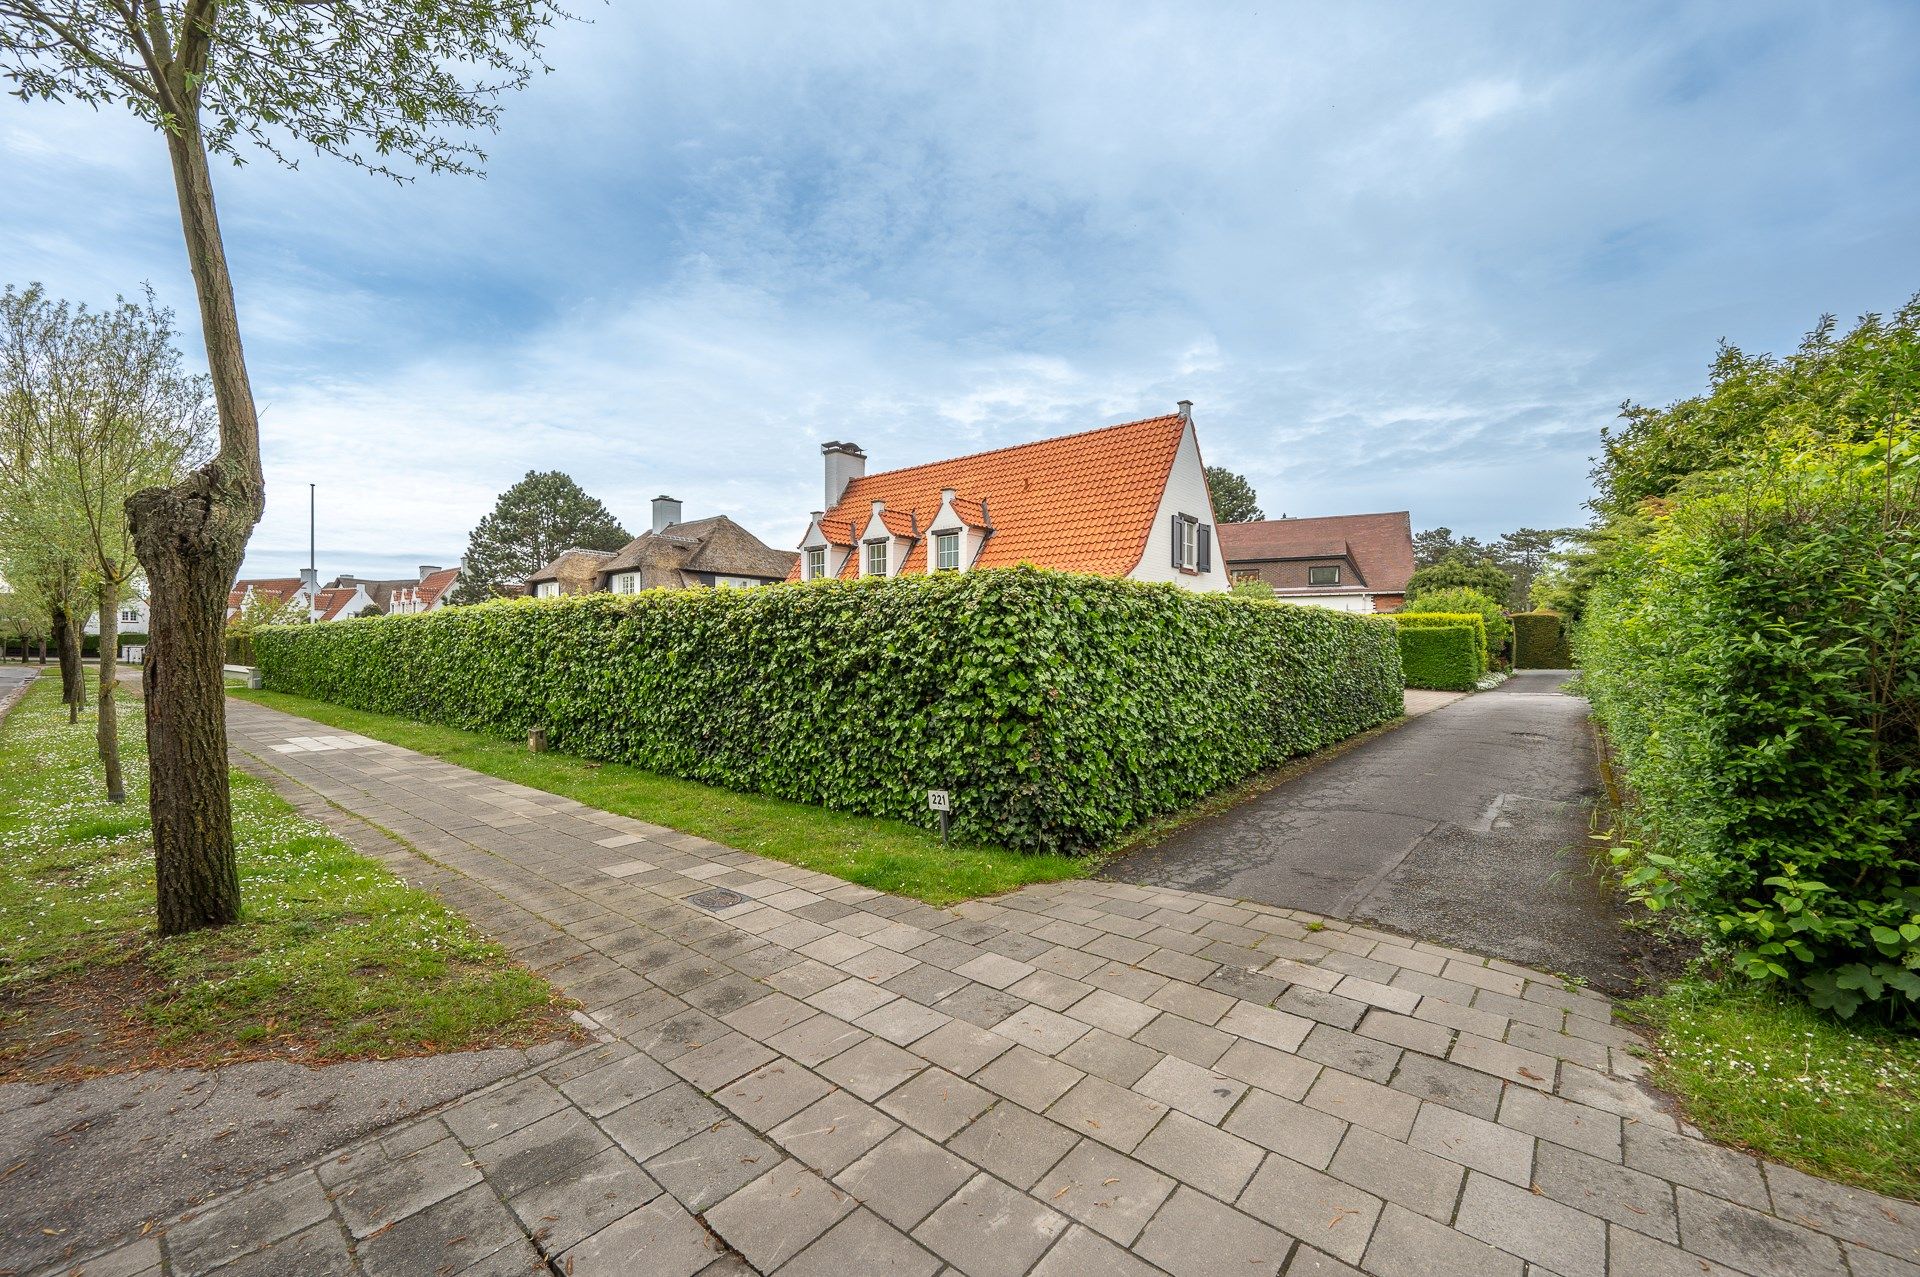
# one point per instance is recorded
(714, 899)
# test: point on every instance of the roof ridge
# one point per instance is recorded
(988, 452)
(1303, 518)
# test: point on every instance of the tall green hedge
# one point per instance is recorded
(1058, 709)
(1443, 658)
(1754, 664)
(1448, 621)
(1540, 642)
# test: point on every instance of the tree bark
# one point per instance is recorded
(190, 539)
(73, 675)
(109, 725)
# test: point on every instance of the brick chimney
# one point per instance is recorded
(845, 463)
(666, 513)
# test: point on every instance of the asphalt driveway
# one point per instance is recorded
(1467, 826)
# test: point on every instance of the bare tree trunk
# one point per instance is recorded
(73, 675)
(190, 538)
(109, 726)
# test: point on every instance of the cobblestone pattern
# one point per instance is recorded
(1081, 1078)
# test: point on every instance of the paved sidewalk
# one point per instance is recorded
(807, 1077)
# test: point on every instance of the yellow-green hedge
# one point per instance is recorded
(1447, 621)
(1058, 709)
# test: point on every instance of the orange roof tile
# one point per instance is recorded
(1079, 503)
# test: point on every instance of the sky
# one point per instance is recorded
(1400, 256)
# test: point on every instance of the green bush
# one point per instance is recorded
(1447, 621)
(1445, 658)
(1753, 663)
(1458, 571)
(1540, 642)
(1059, 710)
(1499, 629)
(90, 643)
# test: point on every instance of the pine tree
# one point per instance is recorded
(531, 523)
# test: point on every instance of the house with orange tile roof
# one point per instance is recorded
(1128, 500)
(340, 602)
(428, 595)
(282, 590)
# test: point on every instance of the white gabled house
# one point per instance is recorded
(1128, 500)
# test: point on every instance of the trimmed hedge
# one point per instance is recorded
(1441, 657)
(1753, 662)
(1447, 621)
(1058, 709)
(1540, 642)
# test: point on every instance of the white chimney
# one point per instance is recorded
(1186, 410)
(666, 513)
(845, 463)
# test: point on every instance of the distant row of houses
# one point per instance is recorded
(1128, 500)
(344, 596)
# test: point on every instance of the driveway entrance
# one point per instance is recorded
(1467, 826)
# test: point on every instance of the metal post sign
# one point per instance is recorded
(941, 801)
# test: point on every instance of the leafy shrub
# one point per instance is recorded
(90, 643)
(1252, 588)
(1059, 710)
(1752, 663)
(1445, 658)
(1540, 642)
(1447, 621)
(1499, 629)
(1461, 571)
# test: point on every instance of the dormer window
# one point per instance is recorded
(626, 583)
(946, 552)
(547, 589)
(876, 558)
(816, 563)
(1328, 575)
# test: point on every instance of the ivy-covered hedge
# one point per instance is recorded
(1540, 642)
(1441, 657)
(1058, 709)
(1753, 660)
(1448, 621)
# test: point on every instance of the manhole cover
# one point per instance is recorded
(715, 899)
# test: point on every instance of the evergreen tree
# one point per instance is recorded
(1234, 500)
(531, 523)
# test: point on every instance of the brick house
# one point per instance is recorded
(1128, 500)
(1350, 562)
(671, 555)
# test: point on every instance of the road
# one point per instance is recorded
(1467, 826)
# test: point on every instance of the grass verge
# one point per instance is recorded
(1758, 1069)
(334, 958)
(886, 855)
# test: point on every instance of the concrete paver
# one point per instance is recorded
(1245, 1127)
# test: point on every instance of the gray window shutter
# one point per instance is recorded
(1204, 538)
(1178, 562)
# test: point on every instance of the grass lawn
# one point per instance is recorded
(1768, 1072)
(887, 855)
(335, 957)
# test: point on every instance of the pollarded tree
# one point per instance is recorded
(96, 407)
(531, 523)
(1234, 500)
(376, 83)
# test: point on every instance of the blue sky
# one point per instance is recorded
(1400, 256)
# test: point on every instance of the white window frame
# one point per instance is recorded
(1189, 541)
(546, 589)
(129, 616)
(626, 582)
(1323, 567)
(876, 548)
(943, 543)
(816, 562)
